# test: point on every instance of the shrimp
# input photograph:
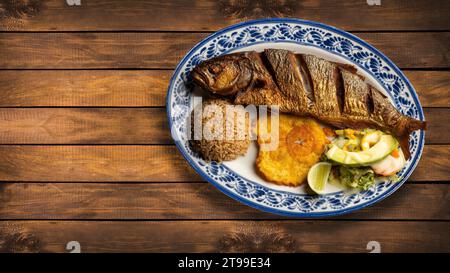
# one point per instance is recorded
(390, 165)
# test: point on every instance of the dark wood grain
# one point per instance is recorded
(211, 15)
(84, 125)
(187, 201)
(433, 87)
(432, 165)
(94, 163)
(164, 50)
(95, 50)
(127, 126)
(437, 120)
(137, 88)
(131, 88)
(224, 236)
(141, 163)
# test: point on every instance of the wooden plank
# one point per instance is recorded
(84, 125)
(142, 163)
(187, 201)
(437, 129)
(185, 15)
(164, 50)
(84, 87)
(94, 163)
(126, 126)
(224, 236)
(137, 88)
(94, 50)
(433, 87)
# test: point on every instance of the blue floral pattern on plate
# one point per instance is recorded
(305, 33)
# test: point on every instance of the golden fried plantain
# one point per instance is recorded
(301, 143)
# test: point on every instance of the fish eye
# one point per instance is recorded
(214, 69)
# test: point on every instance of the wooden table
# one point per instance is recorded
(86, 154)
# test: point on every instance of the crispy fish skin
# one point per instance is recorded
(262, 90)
(390, 120)
(288, 76)
(305, 85)
(356, 96)
(324, 79)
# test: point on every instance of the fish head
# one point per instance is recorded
(224, 75)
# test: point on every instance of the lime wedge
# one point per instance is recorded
(318, 176)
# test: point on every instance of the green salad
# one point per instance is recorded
(353, 177)
(359, 158)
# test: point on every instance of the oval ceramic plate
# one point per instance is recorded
(237, 178)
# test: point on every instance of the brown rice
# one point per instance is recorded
(218, 144)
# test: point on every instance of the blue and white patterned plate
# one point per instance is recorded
(238, 179)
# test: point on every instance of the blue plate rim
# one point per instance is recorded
(273, 210)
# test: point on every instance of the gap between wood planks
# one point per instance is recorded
(91, 163)
(164, 50)
(143, 88)
(199, 200)
(225, 236)
(116, 126)
(56, 15)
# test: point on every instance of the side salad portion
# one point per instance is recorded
(356, 159)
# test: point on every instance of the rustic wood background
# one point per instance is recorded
(86, 155)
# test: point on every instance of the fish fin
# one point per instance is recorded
(412, 125)
(404, 144)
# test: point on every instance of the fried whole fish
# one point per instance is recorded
(304, 85)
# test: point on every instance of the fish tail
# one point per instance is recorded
(414, 124)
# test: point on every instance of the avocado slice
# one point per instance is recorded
(380, 150)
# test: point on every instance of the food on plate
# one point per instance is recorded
(363, 138)
(318, 176)
(378, 151)
(353, 177)
(369, 140)
(305, 85)
(390, 165)
(301, 144)
(378, 156)
(214, 142)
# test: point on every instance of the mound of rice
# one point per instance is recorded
(221, 137)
